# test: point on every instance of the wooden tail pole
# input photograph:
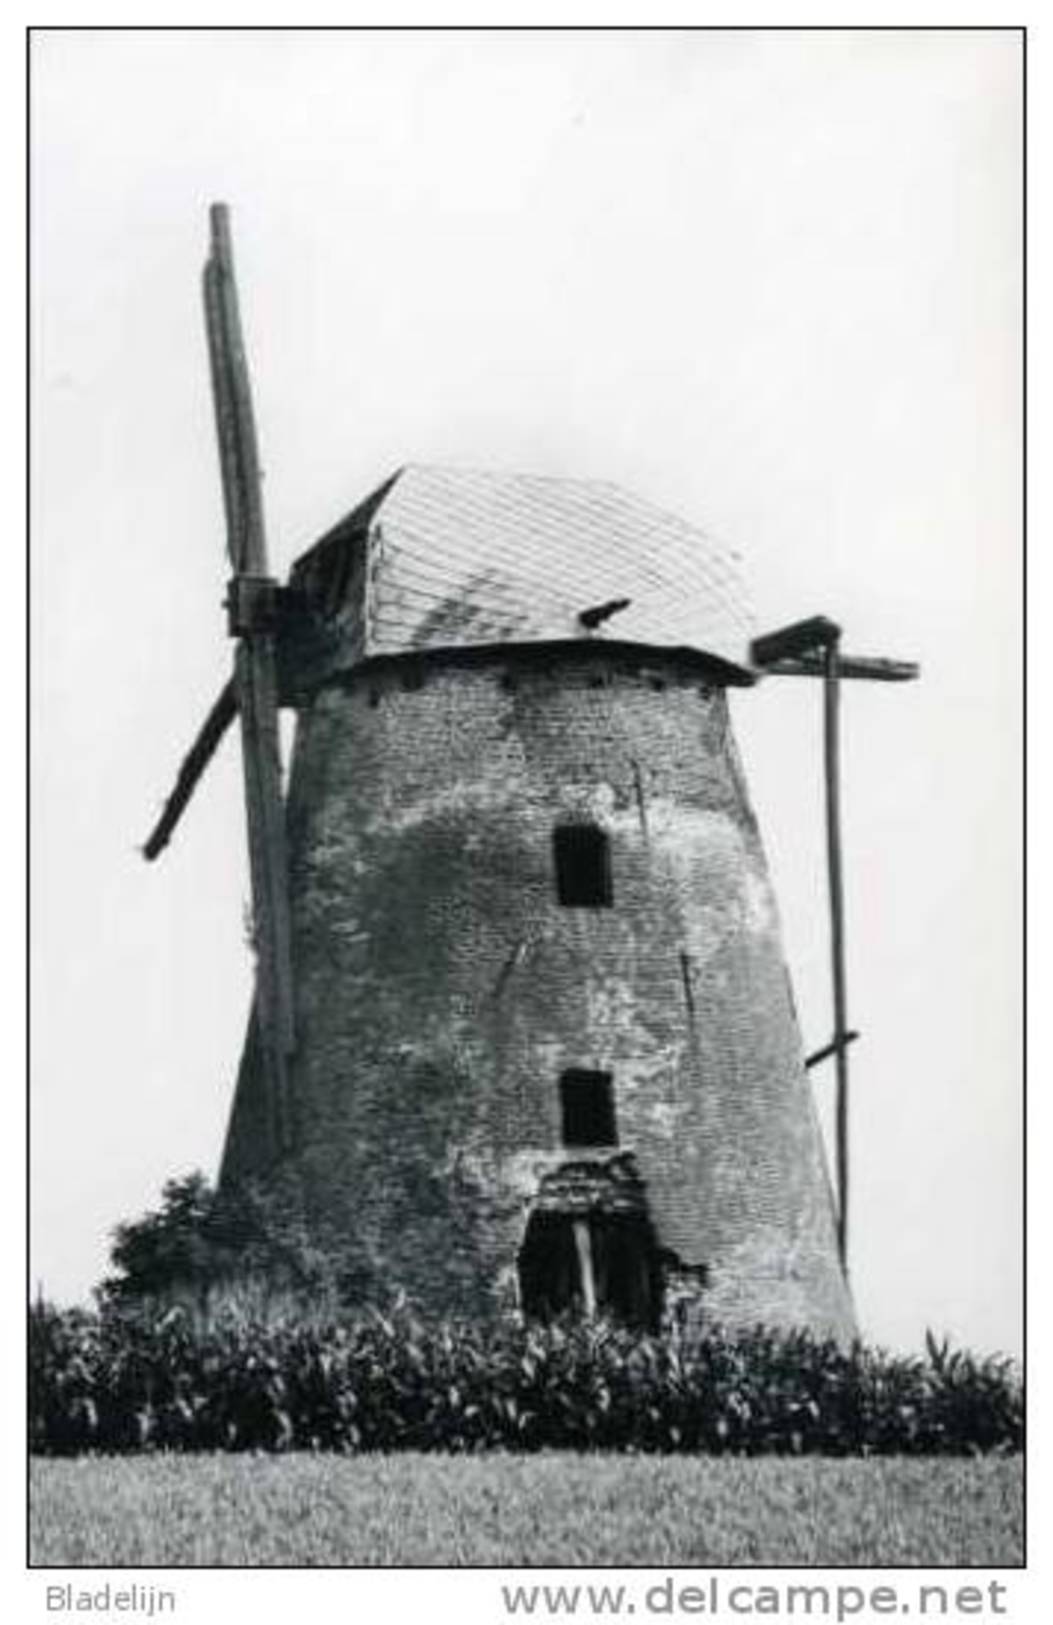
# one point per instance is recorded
(832, 773)
(812, 648)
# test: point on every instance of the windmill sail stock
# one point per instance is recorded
(253, 692)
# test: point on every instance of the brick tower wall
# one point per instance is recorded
(442, 988)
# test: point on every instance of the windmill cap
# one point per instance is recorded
(448, 557)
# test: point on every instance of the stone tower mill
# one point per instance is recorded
(523, 1033)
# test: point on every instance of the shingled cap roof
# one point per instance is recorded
(445, 557)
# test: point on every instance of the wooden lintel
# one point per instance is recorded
(872, 667)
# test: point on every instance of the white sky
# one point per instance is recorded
(771, 281)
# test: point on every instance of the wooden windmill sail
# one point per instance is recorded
(253, 691)
(495, 674)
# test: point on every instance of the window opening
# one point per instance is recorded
(583, 866)
(587, 1101)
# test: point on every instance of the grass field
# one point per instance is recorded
(549, 1509)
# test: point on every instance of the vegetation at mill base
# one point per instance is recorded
(223, 1328)
(543, 1510)
(245, 1376)
(195, 1244)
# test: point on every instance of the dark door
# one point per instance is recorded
(616, 1249)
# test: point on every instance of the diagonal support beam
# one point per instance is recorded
(827, 1050)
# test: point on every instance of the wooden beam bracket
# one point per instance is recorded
(817, 632)
(251, 605)
(872, 668)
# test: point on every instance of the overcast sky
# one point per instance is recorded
(769, 280)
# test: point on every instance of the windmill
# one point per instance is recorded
(521, 1030)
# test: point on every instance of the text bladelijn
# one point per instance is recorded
(106, 1599)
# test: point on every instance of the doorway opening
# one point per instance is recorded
(589, 1248)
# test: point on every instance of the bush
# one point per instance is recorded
(199, 1246)
(248, 1376)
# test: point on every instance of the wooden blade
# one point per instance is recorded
(194, 763)
(232, 395)
(254, 679)
(226, 422)
(255, 668)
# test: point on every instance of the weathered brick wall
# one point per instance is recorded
(441, 988)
